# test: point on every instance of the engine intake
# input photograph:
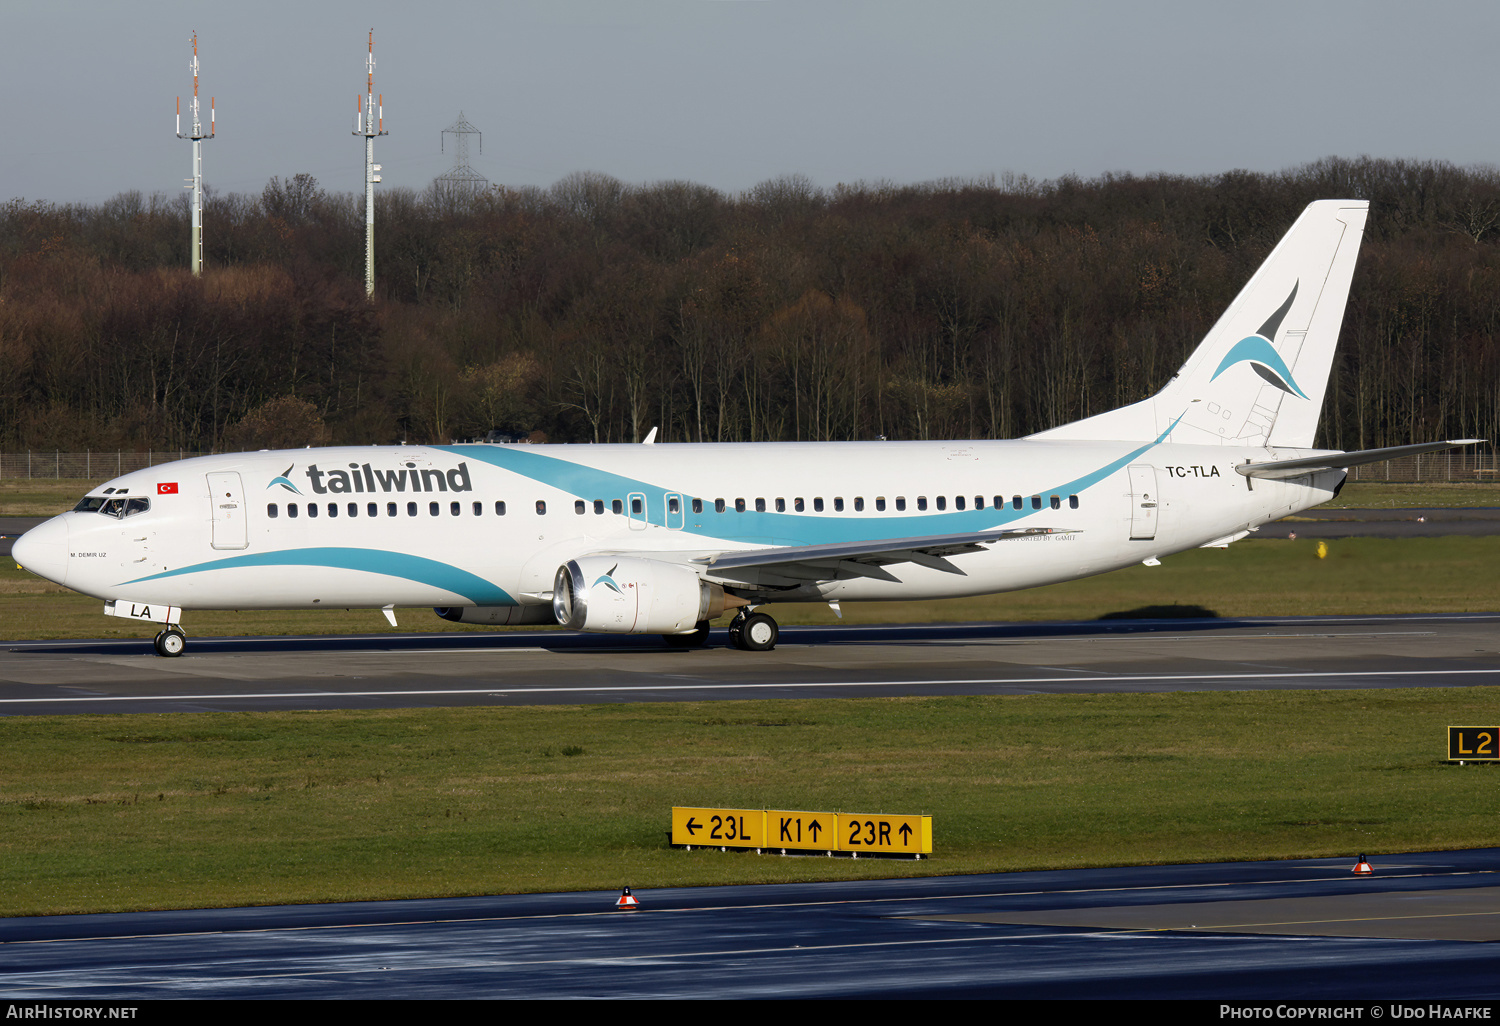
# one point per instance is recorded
(623, 595)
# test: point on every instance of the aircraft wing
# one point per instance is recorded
(861, 558)
(798, 564)
(1334, 460)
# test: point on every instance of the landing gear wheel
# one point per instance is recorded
(758, 633)
(696, 638)
(170, 642)
(736, 628)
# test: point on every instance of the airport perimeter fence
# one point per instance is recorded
(90, 466)
(100, 466)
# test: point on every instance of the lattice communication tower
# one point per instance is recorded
(462, 175)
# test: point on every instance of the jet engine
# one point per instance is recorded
(496, 615)
(623, 595)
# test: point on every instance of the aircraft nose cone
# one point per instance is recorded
(44, 550)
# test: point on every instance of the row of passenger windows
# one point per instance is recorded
(674, 505)
(372, 509)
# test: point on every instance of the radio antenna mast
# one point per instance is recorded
(196, 182)
(369, 123)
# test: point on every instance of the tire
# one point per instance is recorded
(170, 643)
(758, 634)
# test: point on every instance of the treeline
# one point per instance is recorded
(594, 310)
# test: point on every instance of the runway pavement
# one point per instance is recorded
(1304, 930)
(550, 667)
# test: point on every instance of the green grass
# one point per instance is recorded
(130, 812)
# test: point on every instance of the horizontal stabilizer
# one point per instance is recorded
(1335, 460)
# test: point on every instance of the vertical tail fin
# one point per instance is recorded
(1259, 375)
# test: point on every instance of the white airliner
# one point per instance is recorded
(664, 538)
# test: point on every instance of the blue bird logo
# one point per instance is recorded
(1259, 352)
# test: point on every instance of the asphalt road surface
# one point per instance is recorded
(1419, 928)
(548, 667)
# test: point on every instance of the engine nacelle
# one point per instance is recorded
(496, 616)
(621, 595)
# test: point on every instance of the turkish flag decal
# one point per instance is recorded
(167, 488)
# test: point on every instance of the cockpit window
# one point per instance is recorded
(89, 504)
(124, 507)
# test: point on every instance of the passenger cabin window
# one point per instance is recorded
(818, 504)
(454, 508)
(541, 507)
(880, 503)
(942, 502)
(499, 507)
(1072, 502)
(479, 509)
(312, 509)
(838, 504)
(1036, 502)
(390, 509)
(739, 505)
(1056, 502)
(411, 509)
(432, 509)
(958, 502)
(373, 509)
(635, 506)
(799, 505)
(333, 509)
(674, 505)
(273, 511)
(697, 505)
(1016, 501)
(921, 502)
(580, 507)
(760, 505)
(900, 504)
(859, 503)
(718, 505)
(598, 507)
(291, 510)
(618, 506)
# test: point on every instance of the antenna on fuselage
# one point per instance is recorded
(195, 183)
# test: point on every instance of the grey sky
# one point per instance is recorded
(731, 92)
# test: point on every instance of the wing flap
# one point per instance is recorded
(931, 551)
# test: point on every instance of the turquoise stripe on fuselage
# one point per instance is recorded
(751, 527)
(375, 561)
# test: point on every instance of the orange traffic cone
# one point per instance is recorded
(627, 902)
(1362, 868)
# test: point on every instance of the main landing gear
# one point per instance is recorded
(171, 641)
(753, 632)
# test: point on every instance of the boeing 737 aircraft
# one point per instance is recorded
(664, 538)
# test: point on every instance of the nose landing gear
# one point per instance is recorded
(170, 642)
